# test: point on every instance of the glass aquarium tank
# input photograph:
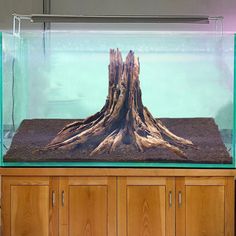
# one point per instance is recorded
(118, 98)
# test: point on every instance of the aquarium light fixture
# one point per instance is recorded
(49, 18)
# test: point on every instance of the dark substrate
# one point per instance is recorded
(203, 132)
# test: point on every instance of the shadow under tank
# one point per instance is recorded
(127, 128)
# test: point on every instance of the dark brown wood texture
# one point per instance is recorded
(123, 122)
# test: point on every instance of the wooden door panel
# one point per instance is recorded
(88, 210)
(202, 206)
(146, 210)
(27, 209)
(145, 206)
(89, 206)
(205, 210)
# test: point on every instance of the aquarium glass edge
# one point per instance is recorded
(1, 94)
(234, 100)
(120, 164)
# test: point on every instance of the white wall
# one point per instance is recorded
(8, 7)
(227, 8)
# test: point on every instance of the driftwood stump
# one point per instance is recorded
(123, 120)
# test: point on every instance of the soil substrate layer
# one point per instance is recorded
(203, 132)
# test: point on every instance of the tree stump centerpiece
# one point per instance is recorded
(123, 121)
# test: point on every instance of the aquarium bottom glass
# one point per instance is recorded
(33, 135)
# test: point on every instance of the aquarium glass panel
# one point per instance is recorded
(118, 98)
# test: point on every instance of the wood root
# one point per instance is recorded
(123, 120)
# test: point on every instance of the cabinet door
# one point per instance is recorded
(88, 206)
(26, 206)
(204, 206)
(146, 206)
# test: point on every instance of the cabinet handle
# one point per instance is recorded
(63, 198)
(53, 199)
(180, 198)
(170, 199)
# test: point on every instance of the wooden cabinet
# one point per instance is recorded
(83, 205)
(205, 206)
(88, 206)
(117, 205)
(25, 206)
(146, 206)
(181, 206)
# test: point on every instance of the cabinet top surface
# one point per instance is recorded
(115, 172)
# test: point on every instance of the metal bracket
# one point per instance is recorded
(17, 23)
(16, 26)
(219, 25)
